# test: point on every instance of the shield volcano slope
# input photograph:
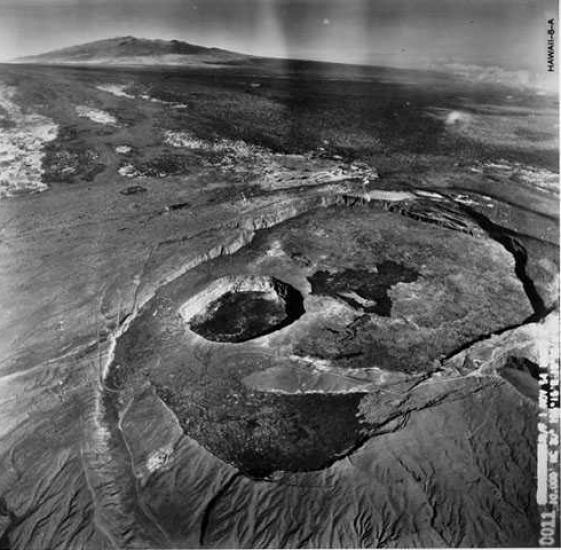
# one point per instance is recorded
(421, 364)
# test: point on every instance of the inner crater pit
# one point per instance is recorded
(241, 308)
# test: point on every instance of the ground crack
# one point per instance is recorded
(507, 239)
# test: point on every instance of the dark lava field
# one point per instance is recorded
(262, 303)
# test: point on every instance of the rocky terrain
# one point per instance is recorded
(255, 305)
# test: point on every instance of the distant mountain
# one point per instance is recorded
(128, 50)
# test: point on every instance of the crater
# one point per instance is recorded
(243, 308)
(194, 340)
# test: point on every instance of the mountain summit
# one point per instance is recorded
(129, 50)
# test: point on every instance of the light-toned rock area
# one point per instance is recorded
(115, 89)
(95, 115)
(22, 138)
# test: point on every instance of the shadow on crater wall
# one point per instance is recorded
(241, 315)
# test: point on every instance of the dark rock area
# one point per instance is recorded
(369, 285)
(133, 190)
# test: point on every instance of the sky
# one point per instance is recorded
(410, 33)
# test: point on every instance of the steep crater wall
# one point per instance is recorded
(237, 309)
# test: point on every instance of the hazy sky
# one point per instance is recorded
(508, 33)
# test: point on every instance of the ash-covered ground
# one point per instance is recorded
(272, 304)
